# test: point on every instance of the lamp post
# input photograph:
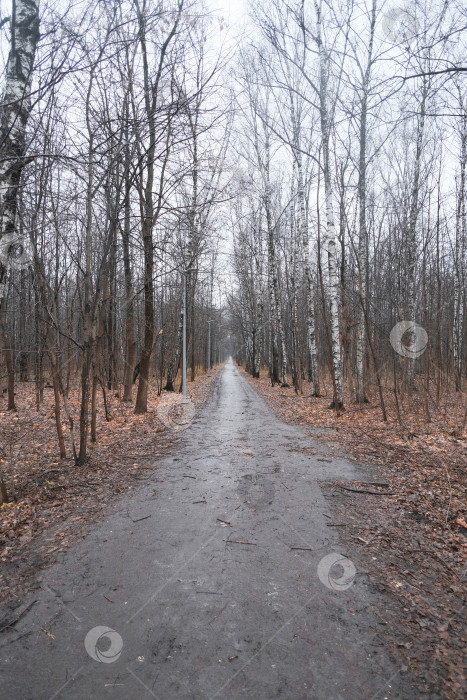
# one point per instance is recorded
(184, 273)
(209, 346)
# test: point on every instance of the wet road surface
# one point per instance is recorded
(192, 615)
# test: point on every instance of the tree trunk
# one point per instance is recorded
(13, 120)
(412, 226)
(461, 230)
(148, 340)
(130, 344)
(330, 242)
(8, 354)
(151, 88)
(360, 395)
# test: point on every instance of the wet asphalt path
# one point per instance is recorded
(196, 617)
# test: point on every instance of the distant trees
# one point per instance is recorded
(363, 120)
(322, 173)
(123, 92)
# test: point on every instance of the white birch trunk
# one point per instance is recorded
(259, 316)
(360, 396)
(291, 263)
(310, 303)
(274, 306)
(16, 106)
(276, 309)
(330, 242)
(304, 236)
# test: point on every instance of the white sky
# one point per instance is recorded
(233, 10)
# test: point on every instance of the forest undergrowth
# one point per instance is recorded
(52, 502)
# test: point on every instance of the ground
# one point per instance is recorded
(227, 573)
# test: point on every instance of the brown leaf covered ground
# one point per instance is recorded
(412, 543)
(53, 501)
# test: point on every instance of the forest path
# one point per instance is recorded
(194, 616)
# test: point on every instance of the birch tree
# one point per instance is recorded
(365, 70)
(330, 244)
(14, 115)
(15, 111)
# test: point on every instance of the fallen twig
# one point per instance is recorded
(145, 517)
(239, 542)
(373, 493)
(306, 549)
(371, 483)
(226, 522)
